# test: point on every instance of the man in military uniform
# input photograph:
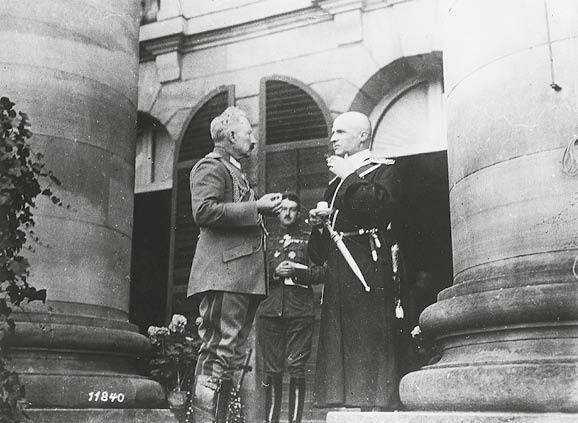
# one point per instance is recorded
(228, 270)
(286, 316)
(357, 359)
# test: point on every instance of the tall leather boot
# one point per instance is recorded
(296, 399)
(223, 399)
(273, 395)
(210, 400)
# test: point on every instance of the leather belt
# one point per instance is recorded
(374, 241)
(361, 231)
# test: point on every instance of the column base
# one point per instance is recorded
(448, 417)
(93, 415)
(66, 359)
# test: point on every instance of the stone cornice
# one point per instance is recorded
(172, 35)
(334, 7)
(339, 6)
(178, 34)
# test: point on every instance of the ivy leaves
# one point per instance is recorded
(21, 173)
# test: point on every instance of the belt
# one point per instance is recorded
(374, 241)
(361, 231)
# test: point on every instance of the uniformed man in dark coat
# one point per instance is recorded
(228, 270)
(287, 315)
(357, 363)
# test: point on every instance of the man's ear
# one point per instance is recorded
(364, 138)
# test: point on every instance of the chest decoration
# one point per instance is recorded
(292, 255)
(287, 240)
(276, 254)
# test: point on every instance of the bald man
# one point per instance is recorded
(357, 363)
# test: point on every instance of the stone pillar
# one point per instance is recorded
(73, 66)
(508, 325)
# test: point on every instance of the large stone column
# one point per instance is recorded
(72, 66)
(508, 324)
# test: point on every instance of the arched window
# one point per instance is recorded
(195, 143)
(410, 123)
(154, 156)
(294, 127)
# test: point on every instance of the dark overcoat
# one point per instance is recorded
(230, 250)
(357, 363)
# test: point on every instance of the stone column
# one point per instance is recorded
(73, 66)
(508, 324)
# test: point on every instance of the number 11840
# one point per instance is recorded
(105, 396)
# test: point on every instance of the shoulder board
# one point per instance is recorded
(367, 169)
(382, 160)
(212, 155)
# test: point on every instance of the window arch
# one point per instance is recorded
(291, 113)
(294, 132)
(194, 143)
(410, 121)
(154, 155)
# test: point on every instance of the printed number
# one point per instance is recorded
(105, 396)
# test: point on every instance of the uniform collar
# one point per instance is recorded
(235, 162)
(227, 156)
(359, 159)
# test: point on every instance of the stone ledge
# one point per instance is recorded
(448, 417)
(61, 415)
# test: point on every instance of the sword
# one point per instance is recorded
(338, 239)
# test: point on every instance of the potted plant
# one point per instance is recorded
(175, 352)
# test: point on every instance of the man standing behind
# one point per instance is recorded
(357, 363)
(228, 270)
(287, 316)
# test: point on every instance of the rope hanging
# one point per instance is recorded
(570, 159)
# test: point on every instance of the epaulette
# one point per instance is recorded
(213, 155)
(381, 160)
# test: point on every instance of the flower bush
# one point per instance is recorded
(175, 353)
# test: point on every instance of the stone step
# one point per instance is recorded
(448, 417)
(165, 416)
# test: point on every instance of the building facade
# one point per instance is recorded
(475, 99)
(292, 66)
(443, 83)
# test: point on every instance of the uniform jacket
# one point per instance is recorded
(290, 300)
(230, 251)
(357, 359)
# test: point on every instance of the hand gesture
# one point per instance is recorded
(339, 166)
(285, 269)
(315, 219)
(269, 204)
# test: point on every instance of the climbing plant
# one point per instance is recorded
(23, 176)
